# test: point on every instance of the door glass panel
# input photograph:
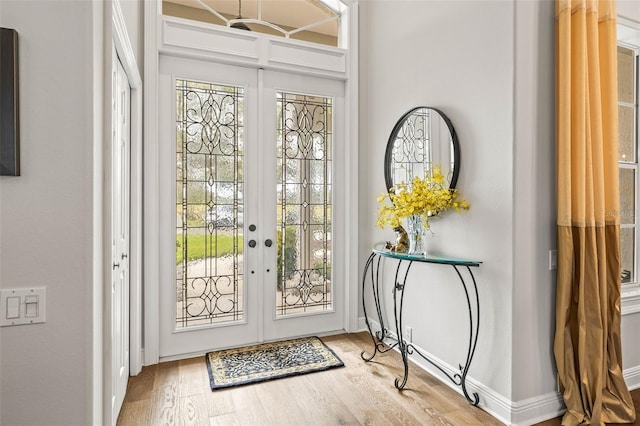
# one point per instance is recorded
(209, 204)
(304, 139)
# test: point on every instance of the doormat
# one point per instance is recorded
(268, 361)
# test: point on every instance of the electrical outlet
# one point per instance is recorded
(553, 260)
(408, 334)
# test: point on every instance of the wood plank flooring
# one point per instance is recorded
(178, 393)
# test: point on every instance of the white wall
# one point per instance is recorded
(533, 370)
(629, 9)
(456, 56)
(46, 216)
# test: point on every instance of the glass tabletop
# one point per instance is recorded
(382, 251)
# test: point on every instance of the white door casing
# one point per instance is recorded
(118, 344)
(173, 37)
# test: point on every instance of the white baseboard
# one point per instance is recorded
(537, 409)
(517, 413)
(632, 377)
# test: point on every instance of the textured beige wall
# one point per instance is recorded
(46, 216)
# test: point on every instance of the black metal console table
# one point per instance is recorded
(407, 348)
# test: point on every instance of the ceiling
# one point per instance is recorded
(285, 13)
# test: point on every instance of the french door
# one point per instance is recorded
(250, 211)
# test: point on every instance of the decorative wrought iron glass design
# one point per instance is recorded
(422, 138)
(209, 203)
(304, 144)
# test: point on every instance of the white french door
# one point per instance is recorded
(249, 207)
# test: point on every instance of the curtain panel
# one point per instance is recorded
(587, 339)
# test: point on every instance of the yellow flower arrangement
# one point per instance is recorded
(426, 198)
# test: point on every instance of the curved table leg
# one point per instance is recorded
(375, 280)
(474, 324)
(397, 313)
(377, 337)
(364, 309)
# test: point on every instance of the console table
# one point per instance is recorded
(406, 348)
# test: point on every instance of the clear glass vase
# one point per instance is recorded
(416, 233)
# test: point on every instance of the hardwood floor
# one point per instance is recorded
(178, 393)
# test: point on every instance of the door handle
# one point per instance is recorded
(252, 243)
(268, 243)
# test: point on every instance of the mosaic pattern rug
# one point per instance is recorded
(268, 361)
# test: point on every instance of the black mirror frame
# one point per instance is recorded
(388, 156)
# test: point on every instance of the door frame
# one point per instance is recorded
(165, 35)
(116, 35)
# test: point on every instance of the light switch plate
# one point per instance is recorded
(22, 306)
(13, 307)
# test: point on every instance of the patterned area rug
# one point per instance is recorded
(268, 361)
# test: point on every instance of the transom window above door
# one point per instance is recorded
(317, 21)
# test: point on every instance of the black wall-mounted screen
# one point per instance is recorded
(9, 111)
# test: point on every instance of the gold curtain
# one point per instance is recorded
(587, 340)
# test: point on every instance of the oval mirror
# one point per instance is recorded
(422, 138)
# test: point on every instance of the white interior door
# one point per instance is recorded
(248, 209)
(120, 185)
